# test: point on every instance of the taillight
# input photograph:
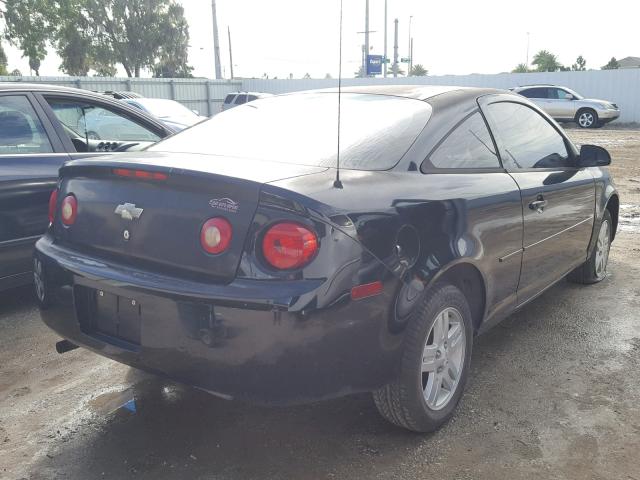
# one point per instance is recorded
(215, 235)
(53, 201)
(289, 245)
(69, 210)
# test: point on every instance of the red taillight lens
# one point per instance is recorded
(141, 174)
(215, 235)
(53, 201)
(69, 210)
(288, 245)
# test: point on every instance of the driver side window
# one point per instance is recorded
(82, 120)
(525, 138)
(559, 94)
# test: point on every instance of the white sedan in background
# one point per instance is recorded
(173, 114)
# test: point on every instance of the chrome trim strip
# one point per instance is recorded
(502, 259)
(558, 233)
(19, 241)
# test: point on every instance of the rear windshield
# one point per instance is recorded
(375, 130)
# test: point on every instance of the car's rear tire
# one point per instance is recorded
(434, 365)
(587, 118)
(40, 286)
(594, 269)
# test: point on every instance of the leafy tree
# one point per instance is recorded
(15, 73)
(71, 40)
(140, 33)
(307, 76)
(612, 65)
(521, 68)
(328, 76)
(580, 65)
(546, 61)
(28, 27)
(418, 71)
(75, 51)
(360, 72)
(3, 61)
(173, 52)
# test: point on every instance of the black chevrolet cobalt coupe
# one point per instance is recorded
(236, 257)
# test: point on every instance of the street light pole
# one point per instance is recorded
(365, 60)
(409, 48)
(385, 38)
(230, 54)
(395, 49)
(216, 43)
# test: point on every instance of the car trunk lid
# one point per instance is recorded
(153, 219)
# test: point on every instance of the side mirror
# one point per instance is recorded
(593, 156)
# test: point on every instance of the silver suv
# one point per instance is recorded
(565, 105)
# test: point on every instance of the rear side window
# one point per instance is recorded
(525, 138)
(535, 93)
(240, 99)
(375, 131)
(20, 128)
(469, 145)
(251, 98)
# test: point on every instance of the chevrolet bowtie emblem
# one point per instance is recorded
(128, 211)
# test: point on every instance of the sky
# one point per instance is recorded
(283, 37)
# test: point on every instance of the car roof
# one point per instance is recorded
(538, 85)
(416, 92)
(42, 87)
(251, 93)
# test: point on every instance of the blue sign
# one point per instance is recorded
(374, 64)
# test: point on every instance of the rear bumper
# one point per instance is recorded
(264, 342)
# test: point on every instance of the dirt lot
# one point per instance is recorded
(554, 393)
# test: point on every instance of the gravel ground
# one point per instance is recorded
(554, 393)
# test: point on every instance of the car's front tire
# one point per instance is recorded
(587, 118)
(594, 269)
(435, 363)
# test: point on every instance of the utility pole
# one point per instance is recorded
(411, 57)
(395, 49)
(216, 43)
(409, 48)
(230, 54)
(366, 39)
(385, 38)
(528, 35)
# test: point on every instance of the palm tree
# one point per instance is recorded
(418, 71)
(521, 68)
(546, 61)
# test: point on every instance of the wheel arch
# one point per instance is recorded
(613, 206)
(470, 281)
(582, 109)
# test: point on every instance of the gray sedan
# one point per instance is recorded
(566, 105)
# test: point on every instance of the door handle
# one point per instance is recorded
(538, 204)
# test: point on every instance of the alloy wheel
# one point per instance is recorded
(586, 119)
(443, 358)
(602, 249)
